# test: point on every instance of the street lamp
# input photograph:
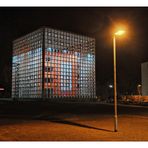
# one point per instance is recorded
(118, 33)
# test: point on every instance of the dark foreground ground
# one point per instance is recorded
(71, 122)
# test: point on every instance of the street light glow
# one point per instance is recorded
(110, 86)
(120, 32)
(1, 89)
(139, 85)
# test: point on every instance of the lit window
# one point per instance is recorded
(49, 49)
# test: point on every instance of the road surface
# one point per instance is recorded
(72, 122)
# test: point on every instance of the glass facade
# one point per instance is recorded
(27, 66)
(50, 63)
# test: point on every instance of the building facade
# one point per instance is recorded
(144, 74)
(50, 63)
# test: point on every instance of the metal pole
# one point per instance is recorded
(115, 85)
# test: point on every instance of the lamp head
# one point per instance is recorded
(119, 32)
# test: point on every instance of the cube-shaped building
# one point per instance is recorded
(50, 63)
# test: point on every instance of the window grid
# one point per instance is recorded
(27, 66)
(69, 65)
(70, 62)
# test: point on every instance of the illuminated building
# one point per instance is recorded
(49, 63)
(144, 73)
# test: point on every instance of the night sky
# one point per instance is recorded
(99, 22)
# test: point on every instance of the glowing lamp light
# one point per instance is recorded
(139, 85)
(120, 32)
(110, 86)
(2, 89)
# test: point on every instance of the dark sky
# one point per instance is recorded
(132, 49)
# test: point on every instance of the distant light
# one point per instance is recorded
(110, 86)
(120, 32)
(2, 89)
(139, 85)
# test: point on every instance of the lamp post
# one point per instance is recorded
(118, 33)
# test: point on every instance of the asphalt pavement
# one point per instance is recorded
(72, 122)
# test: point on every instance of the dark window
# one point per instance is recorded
(48, 69)
(48, 59)
(50, 91)
(49, 80)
